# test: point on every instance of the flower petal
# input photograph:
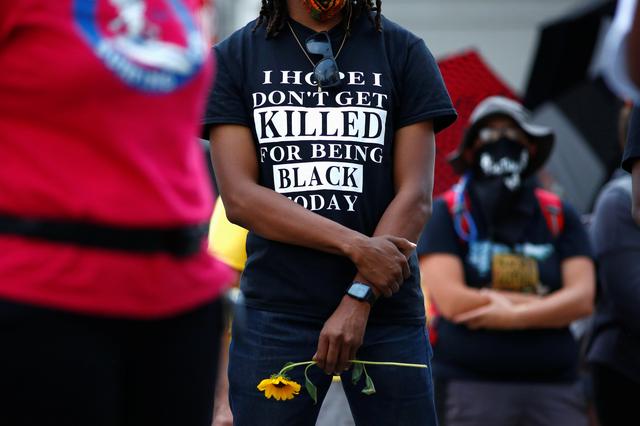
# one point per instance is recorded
(263, 384)
(278, 394)
(279, 387)
(268, 392)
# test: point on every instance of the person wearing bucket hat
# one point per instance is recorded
(497, 106)
(508, 267)
(488, 152)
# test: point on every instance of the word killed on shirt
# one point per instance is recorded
(319, 143)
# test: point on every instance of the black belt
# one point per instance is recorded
(178, 241)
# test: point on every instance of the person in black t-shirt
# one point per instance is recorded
(322, 122)
(508, 268)
(631, 160)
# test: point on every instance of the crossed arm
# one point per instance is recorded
(381, 260)
(273, 216)
(476, 308)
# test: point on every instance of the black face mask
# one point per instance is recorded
(498, 173)
(504, 160)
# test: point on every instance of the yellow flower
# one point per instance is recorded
(280, 387)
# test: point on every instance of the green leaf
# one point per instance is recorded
(370, 389)
(356, 373)
(311, 388)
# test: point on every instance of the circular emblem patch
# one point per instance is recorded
(153, 45)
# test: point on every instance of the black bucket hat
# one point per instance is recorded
(498, 106)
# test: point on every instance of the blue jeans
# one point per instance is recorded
(404, 396)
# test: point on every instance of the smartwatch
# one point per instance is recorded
(361, 292)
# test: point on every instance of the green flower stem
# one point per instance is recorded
(394, 364)
(294, 365)
(353, 361)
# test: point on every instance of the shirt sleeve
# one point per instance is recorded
(574, 240)
(439, 235)
(225, 104)
(616, 240)
(227, 241)
(613, 229)
(423, 95)
(632, 148)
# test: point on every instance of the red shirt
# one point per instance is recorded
(99, 106)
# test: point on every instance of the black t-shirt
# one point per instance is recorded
(632, 148)
(529, 355)
(329, 151)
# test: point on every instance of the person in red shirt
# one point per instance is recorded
(109, 310)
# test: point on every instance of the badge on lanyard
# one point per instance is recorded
(514, 272)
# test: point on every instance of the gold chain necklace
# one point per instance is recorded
(313, 64)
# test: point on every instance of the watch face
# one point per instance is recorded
(359, 290)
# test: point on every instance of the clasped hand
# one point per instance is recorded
(382, 263)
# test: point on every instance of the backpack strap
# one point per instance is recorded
(458, 203)
(551, 206)
(450, 198)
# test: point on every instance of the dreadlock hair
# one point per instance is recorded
(274, 14)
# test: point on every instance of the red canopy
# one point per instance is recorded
(469, 80)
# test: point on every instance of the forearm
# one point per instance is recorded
(222, 387)
(262, 210)
(573, 301)
(443, 277)
(410, 208)
(556, 310)
(519, 298)
(221, 411)
(414, 159)
(406, 215)
(462, 300)
(275, 217)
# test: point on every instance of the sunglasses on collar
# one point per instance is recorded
(326, 71)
